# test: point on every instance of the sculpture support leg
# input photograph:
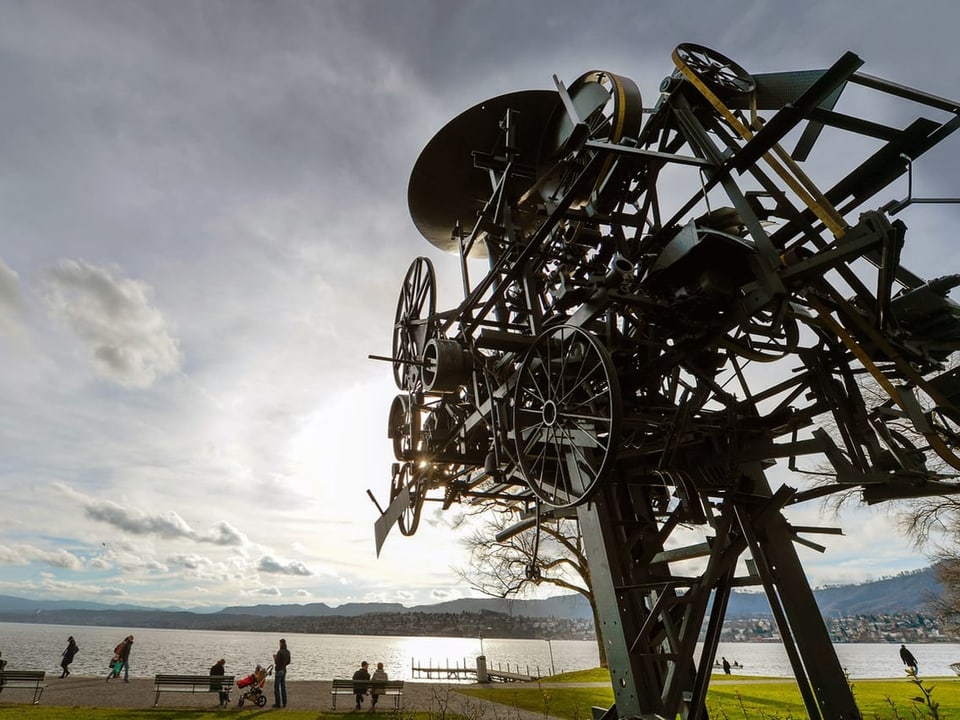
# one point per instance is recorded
(820, 677)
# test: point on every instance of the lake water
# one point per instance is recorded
(29, 646)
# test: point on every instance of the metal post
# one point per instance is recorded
(550, 647)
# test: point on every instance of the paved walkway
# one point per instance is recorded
(437, 698)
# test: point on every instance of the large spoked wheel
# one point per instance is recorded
(261, 700)
(607, 108)
(718, 72)
(566, 416)
(403, 481)
(414, 322)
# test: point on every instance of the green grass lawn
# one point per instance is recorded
(736, 698)
(739, 697)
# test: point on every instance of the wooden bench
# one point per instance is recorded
(387, 688)
(24, 680)
(192, 684)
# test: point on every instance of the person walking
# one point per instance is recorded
(216, 685)
(908, 659)
(121, 659)
(726, 666)
(361, 683)
(281, 659)
(67, 656)
(379, 675)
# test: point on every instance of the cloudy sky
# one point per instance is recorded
(204, 231)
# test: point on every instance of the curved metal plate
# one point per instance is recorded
(446, 187)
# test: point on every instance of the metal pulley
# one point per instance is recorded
(446, 366)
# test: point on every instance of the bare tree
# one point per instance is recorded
(510, 556)
(931, 523)
(947, 604)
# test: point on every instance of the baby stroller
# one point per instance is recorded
(252, 686)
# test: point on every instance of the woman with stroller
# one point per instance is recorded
(67, 656)
(121, 660)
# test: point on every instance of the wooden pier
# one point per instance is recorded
(466, 671)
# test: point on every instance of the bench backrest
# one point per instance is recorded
(29, 675)
(193, 679)
(375, 684)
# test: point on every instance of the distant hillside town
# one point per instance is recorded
(887, 610)
(902, 628)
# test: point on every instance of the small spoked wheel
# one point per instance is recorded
(414, 322)
(718, 72)
(607, 108)
(566, 416)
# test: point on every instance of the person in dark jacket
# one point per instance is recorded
(908, 659)
(361, 683)
(217, 685)
(280, 661)
(67, 655)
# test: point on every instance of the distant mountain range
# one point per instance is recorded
(904, 593)
(572, 607)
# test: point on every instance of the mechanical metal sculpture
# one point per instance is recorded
(671, 306)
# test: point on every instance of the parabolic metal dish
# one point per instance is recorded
(446, 187)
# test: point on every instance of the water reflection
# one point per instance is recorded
(322, 657)
(315, 657)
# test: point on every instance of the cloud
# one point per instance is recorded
(223, 533)
(272, 591)
(22, 554)
(167, 525)
(11, 301)
(9, 289)
(268, 564)
(191, 562)
(128, 339)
